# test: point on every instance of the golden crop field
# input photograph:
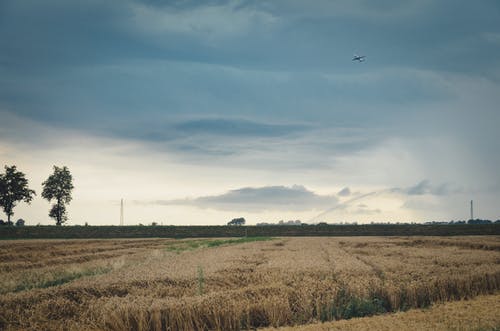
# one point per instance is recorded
(233, 284)
(479, 313)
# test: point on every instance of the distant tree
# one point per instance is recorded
(2, 222)
(20, 222)
(154, 224)
(478, 221)
(13, 188)
(58, 212)
(237, 221)
(58, 187)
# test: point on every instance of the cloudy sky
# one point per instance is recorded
(196, 112)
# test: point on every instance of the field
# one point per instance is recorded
(480, 313)
(245, 283)
(94, 232)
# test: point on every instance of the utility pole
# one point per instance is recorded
(121, 213)
(471, 209)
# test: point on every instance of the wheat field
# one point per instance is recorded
(235, 284)
(479, 313)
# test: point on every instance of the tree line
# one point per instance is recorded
(14, 189)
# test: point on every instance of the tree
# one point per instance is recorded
(58, 187)
(58, 212)
(13, 188)
(20, 222)
(237, 221)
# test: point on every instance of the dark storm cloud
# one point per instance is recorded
(295, 34)
(282, 198)
(265, 86)
(136, 69)
(53, 34)
(444, 35)
(235, 128)
(206, 128)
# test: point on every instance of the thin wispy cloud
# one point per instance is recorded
(355, 204)
(235, 128)
(426, 187)
(344, 192)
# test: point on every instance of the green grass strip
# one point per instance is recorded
(60, 278)
(209, 243)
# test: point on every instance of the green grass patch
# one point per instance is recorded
(347, 306)
(188, 245)
(58, 278)
(220, 242)
(201, 280)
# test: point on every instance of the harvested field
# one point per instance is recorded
(232, 284)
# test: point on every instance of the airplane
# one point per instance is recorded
(359, 58)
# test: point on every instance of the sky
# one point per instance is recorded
(197, 112)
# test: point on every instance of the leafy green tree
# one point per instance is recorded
(58, 187)
(237, 221)
(58, 212)
(13, 188)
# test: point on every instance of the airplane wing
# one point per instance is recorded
(358, 57)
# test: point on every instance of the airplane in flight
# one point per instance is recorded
(359, 58)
